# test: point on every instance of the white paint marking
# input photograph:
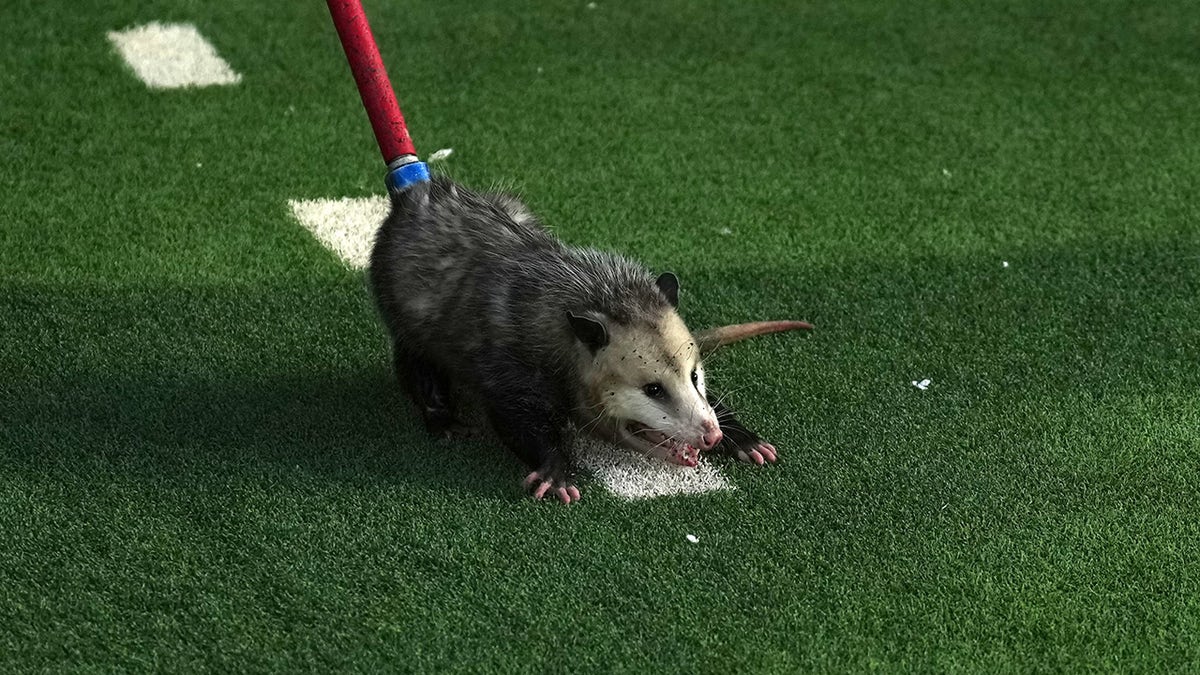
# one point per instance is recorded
(439, 155)
(170, 56)
(347, 226)
(629, 475)
(923, 384)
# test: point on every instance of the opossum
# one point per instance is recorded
(553, 340)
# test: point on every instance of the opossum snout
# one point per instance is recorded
(712, 435)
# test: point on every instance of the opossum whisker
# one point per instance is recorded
(725, 394)
(714, 357)
(593, 423)
(680, 348)
(722, 416)
(667, 441)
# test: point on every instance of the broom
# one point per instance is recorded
(403, 167)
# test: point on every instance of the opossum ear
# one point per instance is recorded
(589, 331)
(669, 285)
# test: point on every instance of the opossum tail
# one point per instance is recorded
(719, 337)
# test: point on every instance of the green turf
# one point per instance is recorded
(205, 465)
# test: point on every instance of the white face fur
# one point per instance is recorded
(647, 384)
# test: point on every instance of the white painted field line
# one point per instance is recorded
(172, 55)
(347, 227)
(631, 476)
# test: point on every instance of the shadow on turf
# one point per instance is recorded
(117, 376)
(346, 426)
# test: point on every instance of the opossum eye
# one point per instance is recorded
(695, 379)
(655, 390)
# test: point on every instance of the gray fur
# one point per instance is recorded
(469, 280)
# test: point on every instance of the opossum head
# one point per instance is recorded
(644, 382)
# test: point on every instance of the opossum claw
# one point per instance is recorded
(763, 453)
(738, 441)
(760, 454)
(540, 483)
(710, 339)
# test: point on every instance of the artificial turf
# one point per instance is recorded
(204, 463)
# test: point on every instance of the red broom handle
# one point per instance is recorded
(371, 77)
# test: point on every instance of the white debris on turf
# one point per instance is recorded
(171, 56)
(1004, 263)
(439, 155)
(923, 384)
(629, 475)
(726, 231)
(946, 173)
(591, 5)
(693, 538)
(347, 226)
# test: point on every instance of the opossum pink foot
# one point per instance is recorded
(540, 486)
(761, 453)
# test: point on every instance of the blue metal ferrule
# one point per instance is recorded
(404, 177)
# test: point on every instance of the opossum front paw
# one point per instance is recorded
(760, 453)
(552, 482)
(739, 442)
(745, 446)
